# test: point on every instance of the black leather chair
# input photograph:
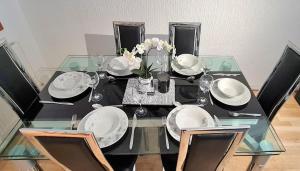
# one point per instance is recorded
(76, 151)
(128, 34)
(15, 85)
(209, 150)
(282, 81)
(185, 37)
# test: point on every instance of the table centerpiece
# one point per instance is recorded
(140, 64)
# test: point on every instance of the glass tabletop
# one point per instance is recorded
(84, 62)
(261, 139)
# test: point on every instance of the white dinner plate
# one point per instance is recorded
(103, 122)
(193, 117)
(194, 70)
(242, 96)
(61, 90)
(172, 127)
(109, 125)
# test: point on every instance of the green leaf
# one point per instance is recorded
(152, 69)
(136, 71)
(149, 67)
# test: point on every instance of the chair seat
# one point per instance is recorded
(169, 161)
(122, 162)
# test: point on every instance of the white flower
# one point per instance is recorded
(155, 42)
(160, 45)
(140, 48)
(167, 46)
(129, 55)
(135, 64)
(148, 44)
(134, 51)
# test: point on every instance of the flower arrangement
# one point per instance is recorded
(140, 66)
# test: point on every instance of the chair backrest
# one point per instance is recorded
(185, 37)
(15, 85)
(210, 148)
(282, 81)
(72, 150)
(128, 34)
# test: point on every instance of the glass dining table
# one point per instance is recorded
(261, 141)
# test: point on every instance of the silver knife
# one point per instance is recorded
(164, 122)
(52, 102)
(223, 74)
(210, 99)
(134, 122)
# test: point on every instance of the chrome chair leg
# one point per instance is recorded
(258, 163)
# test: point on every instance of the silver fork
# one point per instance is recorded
(73, 121)
(164, 122)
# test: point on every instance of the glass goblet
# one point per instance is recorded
(140, 111)
(205, 83)
(96, 96)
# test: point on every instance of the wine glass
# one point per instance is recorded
(100, 64)
(140, 111)
(95, 96)
(205, 83)
(99, 60)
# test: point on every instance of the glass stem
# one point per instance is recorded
(140, 102)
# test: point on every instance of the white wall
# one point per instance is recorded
(17, 31)
(254, 31)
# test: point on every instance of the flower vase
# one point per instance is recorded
(145, 81)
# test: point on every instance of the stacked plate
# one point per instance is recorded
(187, 64)
(230, 92)
(108, 124)
(69, 84)
(119, 67)
(187, 116)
